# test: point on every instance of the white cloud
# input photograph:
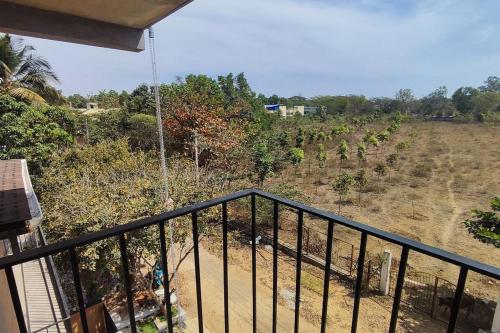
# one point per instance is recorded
(309, 47)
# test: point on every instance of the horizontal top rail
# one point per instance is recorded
(117, 230)
(446, 256)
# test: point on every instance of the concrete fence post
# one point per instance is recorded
(385, 272)
(495, 326)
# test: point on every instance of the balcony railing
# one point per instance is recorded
(407, 245)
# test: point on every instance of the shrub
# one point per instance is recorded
(422, 170)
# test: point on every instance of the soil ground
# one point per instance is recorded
(374, 310)
(464, 162)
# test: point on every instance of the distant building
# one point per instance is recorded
(92, 106)
(284, 111)
(310, 109)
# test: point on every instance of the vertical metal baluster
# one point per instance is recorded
(300, 229)
(126, 280)
(194, 220)
(359, 281)
(254, 269)
(78, 287)
(275, 263)
(15, 299)
(399, 290)
(224, 259)
(326, 284)
(462, 278)
(166, 284)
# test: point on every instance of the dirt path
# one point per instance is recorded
(450, 226)
(240, 299)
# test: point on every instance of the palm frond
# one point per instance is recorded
(26, 95)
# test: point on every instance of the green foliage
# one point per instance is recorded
(342, 186)
(141, 100)
(111, 124)
(284, 139)
(321, 156)
(24, 75)
(383, 136)
(107, 99)
(361, 180)
(343, 150)
(299, 138)
(380, 169)
(361, 153)
(321, 136)
(35, 133)
(96, 187)
(77, 101)
(373, 140)
(492, 84)
(264, 161)
(143, 132)
(392, 160)
(485, 225)
(296, 156)
(462, 99)
(312, 135)
(402, 145)
(405, 100)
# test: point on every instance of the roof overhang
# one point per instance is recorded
(116, 24)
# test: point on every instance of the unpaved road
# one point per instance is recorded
(240, 299)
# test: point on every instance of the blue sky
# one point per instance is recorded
(292, 47)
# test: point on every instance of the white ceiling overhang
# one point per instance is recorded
(117, 24)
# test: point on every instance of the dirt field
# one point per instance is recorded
(464, 162)
(374, 311)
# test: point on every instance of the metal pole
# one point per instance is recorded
(158, 116)
(163, 162)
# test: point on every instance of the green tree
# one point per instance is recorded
(299, 138)
(437, 103)
(361, 153)
(381, 170)
(143, 132)
(343, 152)
(485, 225)
(392, 161)
(383, 136)
(360, 180)
(405, 98)
(321, 156)
(96, 187)
(77, 101)
(342, 186)
(402, 145)
(296, 156)
(263, 162)
(462, 99)
(141, 100)
(35, 133)
(492, 84)
(312, 135)
(23, 74)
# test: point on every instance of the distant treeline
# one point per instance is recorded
(466, 103)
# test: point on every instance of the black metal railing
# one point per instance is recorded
(407, 245)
